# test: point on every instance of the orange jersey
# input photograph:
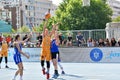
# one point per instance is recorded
(46, 42)
(4, 50)
(4, 47)
(45, 52)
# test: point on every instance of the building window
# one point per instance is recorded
(26, 7)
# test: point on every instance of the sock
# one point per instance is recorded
(48, 71)
(21, 78)
(43, 68)
(14, 77)
(56, 71)
(62, 68)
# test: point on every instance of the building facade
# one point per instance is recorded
(34, 11)
(28, 12)
(115, 6)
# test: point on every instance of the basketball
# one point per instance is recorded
(47, 16)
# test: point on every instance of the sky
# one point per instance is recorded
(56, 2)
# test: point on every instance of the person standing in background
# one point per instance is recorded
(0, 40)
(39, 40)
(79, 39)
(69, 40)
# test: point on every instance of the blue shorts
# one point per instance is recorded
(17, 59)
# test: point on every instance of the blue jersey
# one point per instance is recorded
(16, 49)
(54, 47)
(17, 55)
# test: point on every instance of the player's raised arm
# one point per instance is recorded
(57, 38)
(44, 27)
(54, 28)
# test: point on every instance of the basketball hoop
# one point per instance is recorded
(86, 2)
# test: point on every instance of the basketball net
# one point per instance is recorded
(86, 2)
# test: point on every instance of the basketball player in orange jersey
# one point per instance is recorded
(4, 52)
(45, 52)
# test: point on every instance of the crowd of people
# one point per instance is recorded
(103, 43)
(80, 41)
(67, 41)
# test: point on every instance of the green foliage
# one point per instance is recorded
(24, 29)
(13, 31)
(73, 16)
(117, 19)
(38, 28)
(104, 1)
(50, 22)
(5, 34)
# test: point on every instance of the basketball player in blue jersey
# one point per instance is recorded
(55, 53)
(17, 55)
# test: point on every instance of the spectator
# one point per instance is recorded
(94, 43)
(27, 42)
(119, 42)
(89, 42)
(0, 40)
(11, 42)
(101, 43)
(39, 40)
(69, 40)
(79, 39)
(61, 38)
(113, 42)
(107, 43)
(25, 37)
(8, 39)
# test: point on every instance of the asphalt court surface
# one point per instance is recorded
(74, 71)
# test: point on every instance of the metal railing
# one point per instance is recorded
(94, 34)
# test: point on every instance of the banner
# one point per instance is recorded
(82, 55)
(91, 55)
(33, 52)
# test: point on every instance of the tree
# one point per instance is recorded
(104, 1)
(24, 29)
(73, 16)
(117, 19)
(38, 28)
(13, 30)
(50, 22)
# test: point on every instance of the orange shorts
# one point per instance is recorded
(3, 53)
(45, 55)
